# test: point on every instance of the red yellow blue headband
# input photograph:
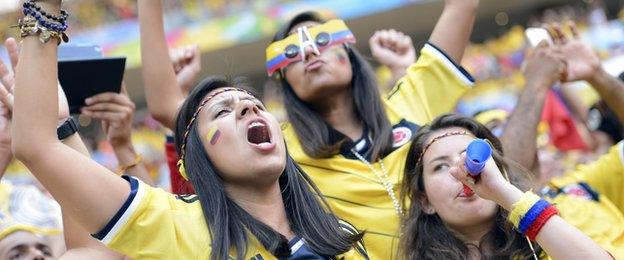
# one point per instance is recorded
(180, 163)
(292, 49)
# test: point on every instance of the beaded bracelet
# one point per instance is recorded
(59, 27)
(530, 214)
(32, 9)
(31, 5)
(35, 23)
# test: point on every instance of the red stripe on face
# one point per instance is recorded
(215, 137)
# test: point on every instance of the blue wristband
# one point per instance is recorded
(532, 214)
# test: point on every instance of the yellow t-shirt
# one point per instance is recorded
(155, 224)
(431, 87)
(592, 199)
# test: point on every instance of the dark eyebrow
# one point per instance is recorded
(230, 99)
(20, 247)
(439, 158)
(443, 157)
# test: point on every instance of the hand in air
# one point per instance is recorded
(393, 49)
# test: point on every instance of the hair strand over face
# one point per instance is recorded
(313, 131)
(229, 224)
(426, 236)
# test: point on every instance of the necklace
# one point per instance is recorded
(383, 178)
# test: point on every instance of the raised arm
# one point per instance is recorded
(543, 68)
(611, 90)
(187, 65)
(162, 92)
(453, 30)
(88, 192)
(79, 244)
(394, 50)
(556, 236)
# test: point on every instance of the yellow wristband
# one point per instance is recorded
(138, 159)
(522, 206)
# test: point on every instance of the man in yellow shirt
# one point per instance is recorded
(590, 197)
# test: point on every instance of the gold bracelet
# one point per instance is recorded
(29, 26)
(137, 160)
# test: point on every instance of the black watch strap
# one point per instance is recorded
(67, 128)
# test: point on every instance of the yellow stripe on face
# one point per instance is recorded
(213, 135)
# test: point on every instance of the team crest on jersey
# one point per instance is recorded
(400, 136)
(580, 190)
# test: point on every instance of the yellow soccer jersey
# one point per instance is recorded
(430, 88)
(155, 224)
(592, 198)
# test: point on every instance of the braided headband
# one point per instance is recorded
(190, 125)
(447, 134)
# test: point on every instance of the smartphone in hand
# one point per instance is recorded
(83, 73)
(535, 35)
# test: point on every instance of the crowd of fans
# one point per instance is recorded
(505, 92)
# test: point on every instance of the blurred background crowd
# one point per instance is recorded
(235, 29)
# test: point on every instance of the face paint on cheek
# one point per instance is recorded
(342, 59)
(213, 135)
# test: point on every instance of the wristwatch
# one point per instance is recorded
(67, 128)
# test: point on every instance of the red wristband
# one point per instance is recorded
(541, 220)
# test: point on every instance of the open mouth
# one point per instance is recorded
(258, 132)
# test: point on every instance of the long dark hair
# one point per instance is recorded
(309, 216)
(426, 236)
(313, 132)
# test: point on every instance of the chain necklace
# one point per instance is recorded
(384, 179)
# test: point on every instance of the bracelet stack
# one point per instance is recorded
(38, 22)
(530, 214)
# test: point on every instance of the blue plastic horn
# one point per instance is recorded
(477, 154)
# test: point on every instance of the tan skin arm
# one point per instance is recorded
(543, 68)
(453, 29)
(77, 241)
(73, 179)
(79, 244)
(163, 94)
(611, 90)
(556, 237)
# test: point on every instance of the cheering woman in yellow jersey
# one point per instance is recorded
(253, 201)
(455, 216)
(350, 139)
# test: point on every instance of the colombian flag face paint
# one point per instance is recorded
(213, 135)
(282, 53)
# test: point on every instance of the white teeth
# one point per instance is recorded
(254, 124)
